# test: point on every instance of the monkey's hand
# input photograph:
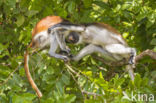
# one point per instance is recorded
(57, 26)
(63, 57)
(67, 51)
(69, 55)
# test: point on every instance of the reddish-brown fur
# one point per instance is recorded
(44, 24)
(31, 81)
(109, 28)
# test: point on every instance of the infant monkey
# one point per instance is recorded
(72, 38)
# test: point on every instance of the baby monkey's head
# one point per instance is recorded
(73, 37)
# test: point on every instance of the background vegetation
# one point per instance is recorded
(91, 81)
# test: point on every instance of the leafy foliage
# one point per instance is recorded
(135, 19)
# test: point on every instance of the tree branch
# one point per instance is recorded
(147, 52)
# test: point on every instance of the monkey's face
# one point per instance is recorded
(73, 37)
(41, 40)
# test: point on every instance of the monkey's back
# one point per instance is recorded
(45, 23)
(100, 33)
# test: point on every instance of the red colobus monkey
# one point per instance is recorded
(102, 38)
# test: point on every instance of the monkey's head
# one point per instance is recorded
(40, 35)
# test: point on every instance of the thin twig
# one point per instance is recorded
(5, 64)
(76, 73)
(69, 68)
(91, 93)
(11, 74)
(82, 91)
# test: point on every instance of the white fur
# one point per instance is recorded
(117, 49)
(44, 38)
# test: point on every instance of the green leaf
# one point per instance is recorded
(23, 98)
(92, 101)
(125, 35)
(70, 98)
(101, 4)
(101, 76)
(144, 82)
(62, 12)
(137, 81)
(87, 3)
(1, 1)
(140, 17)
(22, 71)
(71, 6)
(31, 13)
(11, 3)
(154, 49)
(153, 41)
(65, 79)
(59, 1)
(1, 47)
(49, 100)
(59, 87)
(126, 6)
(50, 70)
(20, 20)
(93, 61)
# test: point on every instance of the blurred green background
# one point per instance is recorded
(93, 82)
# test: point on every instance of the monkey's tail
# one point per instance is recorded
(31, 81)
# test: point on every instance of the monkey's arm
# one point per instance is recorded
(60, 33)
(67, 26)
(60, 37)
(53, 48)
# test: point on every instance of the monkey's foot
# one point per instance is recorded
(132, 57)
(132, 61)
